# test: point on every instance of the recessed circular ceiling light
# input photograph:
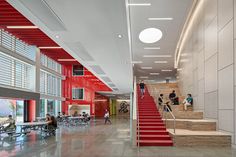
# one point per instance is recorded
(57, 36)
(150, 35)
(120, 36)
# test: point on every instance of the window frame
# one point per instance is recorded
(77, 88)
(73, 71)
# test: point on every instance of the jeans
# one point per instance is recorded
(142, 91)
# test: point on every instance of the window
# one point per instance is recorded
(51, 107)
(12, 43)
(77, 93)
(50, 63)
(78, 70)
(16, 73)
(50, 84)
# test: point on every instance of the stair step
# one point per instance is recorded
(154, 137)
(149, 124)
(152, 128)
(155, 143)
(153, 132)
(150, 120)
(150, 117)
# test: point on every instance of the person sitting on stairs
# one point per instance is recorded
(173, 98)
(188, 101)
(160, 100)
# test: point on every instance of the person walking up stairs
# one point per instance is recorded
(151, 128)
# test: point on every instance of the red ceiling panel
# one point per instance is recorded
(9, 16)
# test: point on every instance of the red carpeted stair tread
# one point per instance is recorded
(155, 143)
(152, 130)
(154, 137)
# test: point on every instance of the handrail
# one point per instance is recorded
(138, 125)
(171, 113)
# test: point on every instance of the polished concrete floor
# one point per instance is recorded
(98, 140)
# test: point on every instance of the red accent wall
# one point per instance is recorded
(101, 104)
(88, 81)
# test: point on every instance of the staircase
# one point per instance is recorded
(151, 129)
(191, 129)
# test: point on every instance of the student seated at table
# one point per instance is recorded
(188, 101)
(59, 115)
(53, 122)
(75, 114)
(10, 123)
(48, 117)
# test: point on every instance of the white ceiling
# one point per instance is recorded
(176, 9)
(89, 29)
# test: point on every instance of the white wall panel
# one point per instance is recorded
(211, 107)
(210, 11)
(226, 46)
(226, 120)
(226, 88)
(211, 74)
(200, 104)
(201, 65)
(225, 12)
(211, 39)
(195, 83)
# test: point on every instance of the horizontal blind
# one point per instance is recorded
(7, 41)
(25, 50)
(12, 43)
(50, 84)
(50, 63)
(6, 70)
(16, 73)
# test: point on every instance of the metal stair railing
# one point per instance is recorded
(171, 113)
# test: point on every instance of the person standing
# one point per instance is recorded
(142, 89)
(107, 117)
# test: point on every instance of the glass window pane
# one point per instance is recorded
(78, 70)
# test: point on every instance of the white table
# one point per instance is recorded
(27, 126)
(74, 118)
(40, 119)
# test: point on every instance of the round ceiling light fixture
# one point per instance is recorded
(150, 35)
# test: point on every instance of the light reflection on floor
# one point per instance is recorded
(97, 140)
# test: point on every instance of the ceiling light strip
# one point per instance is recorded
(22, 27)
(137, 62)
(160, 18)
(160, 62)
(146, 67)
(151, 48)
(197, 5)
(143, 77)
(166, 70)
(66, 60)
(154, 73)
(50, 47)
(156, 56)
(139, 4)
